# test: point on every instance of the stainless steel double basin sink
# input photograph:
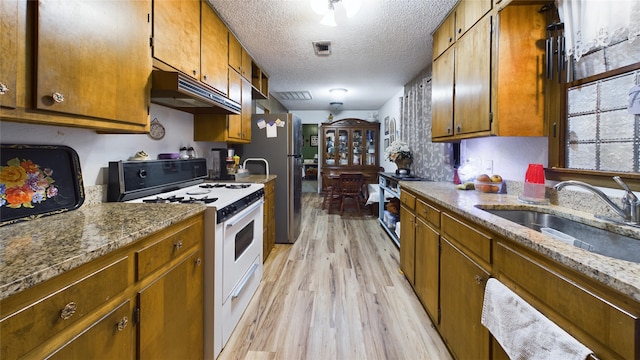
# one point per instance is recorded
(587, 237)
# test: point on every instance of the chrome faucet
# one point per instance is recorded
(630, 210)
(266, 163)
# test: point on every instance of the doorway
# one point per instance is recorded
(310, 158)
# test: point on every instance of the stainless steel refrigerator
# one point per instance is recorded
(278, 139)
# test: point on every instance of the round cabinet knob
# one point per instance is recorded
(448, 130)
(122, 323)
(57, 97)
(195, 72)
(205, 77)
(198, 261)
(4, 89)
(68, 310)
(479, 279)
(459, 129)
(178, 245)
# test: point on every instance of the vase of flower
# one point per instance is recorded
(399, 153)
(403, 167)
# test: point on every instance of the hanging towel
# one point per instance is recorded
(522, 331)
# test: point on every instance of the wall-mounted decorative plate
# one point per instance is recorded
(157, 130)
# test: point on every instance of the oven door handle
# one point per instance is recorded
(241, 215)
(244, 281)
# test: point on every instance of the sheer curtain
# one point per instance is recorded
(590, 24)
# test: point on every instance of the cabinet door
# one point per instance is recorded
(371, 148)
(407, 244)
(427, 266)
(246, 110)
(239, 127)
(234, 122)
(9, 53)
(343, 147)
(468, 13)
(214, 50)
(171, 310)
(247, 62)
(357, 146)
(93, 59)
(473, 80)
(445, 35)
(235, 53)
(461, 294)
(176, 34)
(442, 95)
(329, 140)
(109, 338)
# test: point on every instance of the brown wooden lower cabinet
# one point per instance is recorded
(448, 258)
(111, 337)
(461, 294)
(269, 234)
(89, 312)
(170, 321)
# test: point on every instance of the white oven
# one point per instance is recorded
(233, 230)
(237, 270)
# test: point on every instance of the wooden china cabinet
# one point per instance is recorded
(351, 145)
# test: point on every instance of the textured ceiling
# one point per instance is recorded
(373, 54)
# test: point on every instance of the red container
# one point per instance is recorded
(535, 174)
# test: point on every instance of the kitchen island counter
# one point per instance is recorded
(34, 251)
(622, 276)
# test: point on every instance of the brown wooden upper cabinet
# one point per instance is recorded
(84, 60)
(239, 58)
(176, 35)
(457, 23)
(190, 37)
(8, 55)
(489, 82)
(214, 50)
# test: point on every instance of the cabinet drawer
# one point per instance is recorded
(167, 248)
(477, 244)
(32, 325)
(408, 200)
(599, 324)
(428, 213)
(111, 337)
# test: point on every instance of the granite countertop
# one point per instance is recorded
(257, 179)
(34, 251)
(620, 275)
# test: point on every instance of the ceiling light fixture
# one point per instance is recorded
(327, 8)
(337, 94)
(337, 97)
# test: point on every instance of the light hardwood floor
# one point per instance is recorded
(337, 293)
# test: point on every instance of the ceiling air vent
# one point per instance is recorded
(322, 48)
(294, 95)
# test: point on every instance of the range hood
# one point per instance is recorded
(179, 91)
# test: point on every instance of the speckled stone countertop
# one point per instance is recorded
(620, 275)
(257, 179)
(37, 250)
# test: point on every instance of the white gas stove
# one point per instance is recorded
(233, 229)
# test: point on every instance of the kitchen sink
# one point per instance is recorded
(590, 238)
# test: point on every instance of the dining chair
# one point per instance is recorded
(330, 191)
(351, 189)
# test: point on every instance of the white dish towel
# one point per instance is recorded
(522, 331)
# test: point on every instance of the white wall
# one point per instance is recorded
(510, 156)
(391, 109)
(96, 150)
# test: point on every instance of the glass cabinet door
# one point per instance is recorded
(370, 147)
(356, 147)
(329, 146)
(343, 147)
